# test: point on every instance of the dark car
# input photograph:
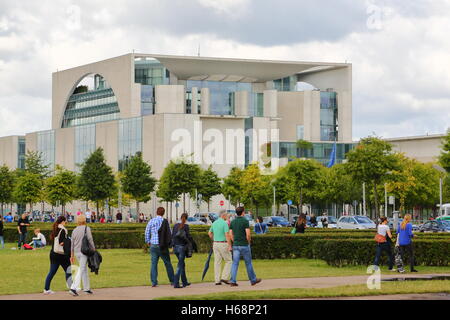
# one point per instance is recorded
(435, 226)
(276, 221)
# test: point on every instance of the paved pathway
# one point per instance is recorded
(148, 293)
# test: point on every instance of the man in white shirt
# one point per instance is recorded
(88, 216)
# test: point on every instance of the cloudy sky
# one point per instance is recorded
(400, 49)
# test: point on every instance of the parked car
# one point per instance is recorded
(391, 222)
(332, 222)
(194, 221)
(435, 226)
(355, 222)
(204, 217)
(276, 221)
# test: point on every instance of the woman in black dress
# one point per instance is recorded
(58, 259)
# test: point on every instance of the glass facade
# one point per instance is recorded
(84, 143)
(150, 72)
(285, 84)
(248, 123)
(190, 103)
(96, 105)
(300, 132)
(130, 139)
(256, 104)
(221, 94)
(46, 147)
(328, 116)
(320, 151)
(21, 154)
(147, 100)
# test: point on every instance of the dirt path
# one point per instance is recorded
(148, 293)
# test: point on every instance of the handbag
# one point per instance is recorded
(57, 247)
(85, 245)
(379, 238)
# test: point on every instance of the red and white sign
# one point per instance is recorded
(222, 203)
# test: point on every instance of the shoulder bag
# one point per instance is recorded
(85, 245)
(57, 247)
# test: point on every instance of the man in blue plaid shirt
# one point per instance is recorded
(159, 247)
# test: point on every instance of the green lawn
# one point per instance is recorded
(25, 271)
(403, 287)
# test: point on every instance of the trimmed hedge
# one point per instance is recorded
(341, 252)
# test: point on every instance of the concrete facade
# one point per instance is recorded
(422, 148)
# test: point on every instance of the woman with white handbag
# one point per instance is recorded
(58, 256)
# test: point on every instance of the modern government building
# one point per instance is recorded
(219, 112)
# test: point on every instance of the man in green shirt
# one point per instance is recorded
(240, 235)
(219, 233)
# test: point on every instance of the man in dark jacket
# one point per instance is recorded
(159, 237)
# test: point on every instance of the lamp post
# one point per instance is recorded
(274, 209)
(386, 197)
(364, 198)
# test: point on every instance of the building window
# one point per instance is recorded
(21, 154)
(130, 140)
(328, 116)
(256, 104)
(285, 84)
(300, 132)
(150, 72)
(91, 103)
(46, 147)
(84, 144)
(221, 94)
(147, 100)
(248, 123)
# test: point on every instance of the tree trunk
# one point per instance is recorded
(137, 208)
(97, 208)
(375, 199)
(301, 201)
(208, 206)
(1, 212)
(184, 204)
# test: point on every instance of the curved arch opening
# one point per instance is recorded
(304, 86)
(92, 100)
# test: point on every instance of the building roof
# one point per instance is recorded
(245, 70)
(428, 136)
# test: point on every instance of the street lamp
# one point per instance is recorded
(442, 170)
(385, 196)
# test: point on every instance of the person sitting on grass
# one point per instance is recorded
(39, 240)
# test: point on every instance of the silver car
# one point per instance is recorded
(332, 222)
(355, 222)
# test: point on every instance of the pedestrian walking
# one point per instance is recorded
(81, 231)
(261, 227)
(119, 217)
(240, 235)
(2, 240)
(181, 241)
(313, 220)
(88, 215)
(384, 240)
(219, 234)
(324, 220)
(300, 224)
(405, 236)
(58, 257)
(158, 236)
(22, 225)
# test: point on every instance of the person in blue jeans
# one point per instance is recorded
(158, 236)
(383, 230)
(181, 238)
(240, 235)
(405, 236)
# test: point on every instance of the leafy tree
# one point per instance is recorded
(96, 182)
(370, 162)
(338, 186)
(401, 182)
(209, 185)
(35, 164)
(232, 186)
(28, 189)
(181, 178)
(302, 146)
(425, 192)
(256, 188)
(444, 158)
(137, 180)
(61, 188)
(304, 176)
(6, 186)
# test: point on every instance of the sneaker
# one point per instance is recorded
(393, 270)
(401, 271)
(256, 282)
(154, 285)
(186, 285)
(88, 291)
(73, 292)
(49, 292)
(218, 283)
(177, 287)
(225, 281)
(232, 284)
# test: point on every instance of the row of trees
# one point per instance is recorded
(303, 181)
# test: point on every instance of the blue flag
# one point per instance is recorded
(332, 156)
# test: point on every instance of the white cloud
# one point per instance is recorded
(401, 72)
